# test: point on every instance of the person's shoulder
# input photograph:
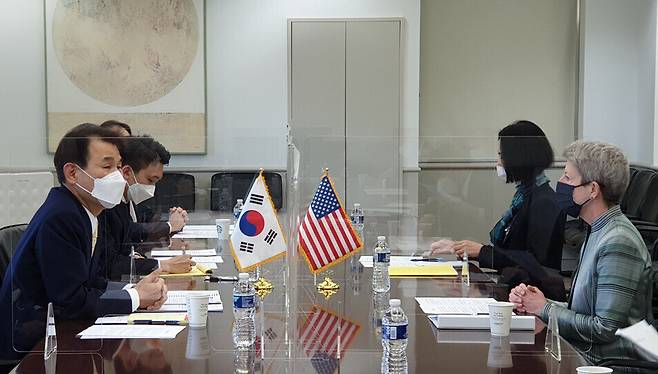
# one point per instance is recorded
(620, 235)
(544, 191)
(60, 207)
(545, 196)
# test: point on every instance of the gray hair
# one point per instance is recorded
(602, 163)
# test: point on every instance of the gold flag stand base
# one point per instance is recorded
(328, 288)
(263, 287)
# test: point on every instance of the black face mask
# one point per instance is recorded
(565, 201)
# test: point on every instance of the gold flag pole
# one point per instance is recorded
(328, 287)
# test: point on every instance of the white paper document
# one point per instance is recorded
(130, 332)
(644, 337)
(454, 305)
(182, 308)
(199, 228)
(196, 235)
(479, 336)
(201, 259)
(478, 322)
(113, 320)
(180, 297)
(199, 232)
(178, 252)
(366, 261)
(209, 265)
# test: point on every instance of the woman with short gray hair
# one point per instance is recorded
(612, 285)
(603, 163)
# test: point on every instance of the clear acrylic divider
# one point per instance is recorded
(50, 346)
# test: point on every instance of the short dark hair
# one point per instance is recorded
(114, 125)
(525, 151)
(141, 151)
(74, 146)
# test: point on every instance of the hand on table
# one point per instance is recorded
(527, 299)
(179, 244)
(152, 291)
(178, 264)
(443, 246)
(472, 248)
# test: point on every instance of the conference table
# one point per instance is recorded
(307, 332)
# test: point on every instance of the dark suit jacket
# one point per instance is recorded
(53, 263)
(122, 234)
(536, 234)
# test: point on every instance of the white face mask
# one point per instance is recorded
(500, 171)
(107, 190)
(140, 192)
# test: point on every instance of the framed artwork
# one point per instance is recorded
(136, 61)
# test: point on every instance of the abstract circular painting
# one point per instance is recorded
(125, 52)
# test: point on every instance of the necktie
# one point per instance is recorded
(133, 215)
(94, 237)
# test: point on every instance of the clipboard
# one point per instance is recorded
(435, 270)
(198, 270)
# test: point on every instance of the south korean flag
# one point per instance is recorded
(257, 237)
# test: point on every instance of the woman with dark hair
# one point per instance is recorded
(529, 234)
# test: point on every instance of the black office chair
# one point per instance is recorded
(174, 189)
(9, 237)
(635, 193)
(227, 187)
(648, 214)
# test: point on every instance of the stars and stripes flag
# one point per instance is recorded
(323, 363)
(326, 235)
(326, 333)
(257, 237)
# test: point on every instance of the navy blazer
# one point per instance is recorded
(53, 263)
(535, 235)
(122, 234)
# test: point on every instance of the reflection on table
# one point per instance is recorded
(314, 334)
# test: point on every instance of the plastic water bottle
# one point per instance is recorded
(356, 215)
(244, 360)
(237, 209)
(380, 302)
(244, 310)
(394, 339)
(380, 261)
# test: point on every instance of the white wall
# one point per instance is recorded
(22, 85)
(618, 74)
(247, 74)
(655, 112)
(246, 63)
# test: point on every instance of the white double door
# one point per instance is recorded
(344, 112)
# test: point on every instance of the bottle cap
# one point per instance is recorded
(243, 276)
(394, 302)
(381, 238)
(357, 205)
(240, 201)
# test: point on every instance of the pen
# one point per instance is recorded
(428, 259)
(151, 322)
(221, 279)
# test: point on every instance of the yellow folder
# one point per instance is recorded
(438, 270)
(198, 270)
(157, 319)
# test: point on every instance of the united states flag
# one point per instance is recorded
(326, 332)
(326, 235)
(324, 364)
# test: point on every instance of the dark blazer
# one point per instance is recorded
(122, 234)
(535, 233)
(53, 263)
